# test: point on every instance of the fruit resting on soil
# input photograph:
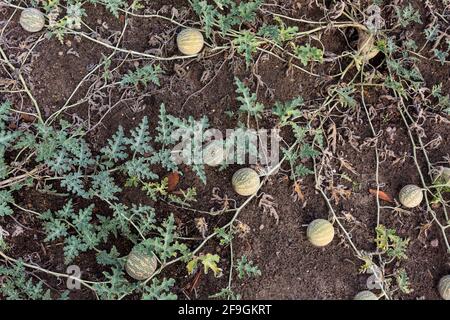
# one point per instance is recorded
(245, 181)
(320, 232)
(190, 41)
(410, 196)
(214, 153)
(365, 295)
(366, 45)
(444, 287)
(32, 20)
(140, 266)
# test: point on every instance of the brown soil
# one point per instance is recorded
(291, 267)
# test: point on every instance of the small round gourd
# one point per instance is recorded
(365, 295)
(139, 265)
(320, 232)
(190, 41)
(32, 20)
(245, 181)
(214, 153)
(444, 287)
(410, 196)
(366, 45)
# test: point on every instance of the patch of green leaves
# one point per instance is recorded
(115, 285)
(245, 268)
(308, 53)
(246, 44)
(159, 290)
(225, 14)
(144, 76)
(288, 110)
(407, 15)
(249, 103)
(279, 33)
(390, 243)
(209, 262)
(16, 286)
(114, 6)
(226, 294)
(403, 282)
(165, 246)
(5, 199)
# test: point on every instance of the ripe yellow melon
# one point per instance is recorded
(190, 42)
(365, 295)
(245, 181)
(410, 196)
(139, 265)
(32, 20)
(320, 232)
(444, 287)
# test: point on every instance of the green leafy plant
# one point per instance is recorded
(249, 105)
(16, 287)
(407, 15)
(144, 76)
(307, 54)
(226, 294)
(388, 242)
(209, 262)
(245, 268)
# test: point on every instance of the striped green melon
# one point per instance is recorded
(320, 232)
(32, 20)
(245, 181)
(444, 287)
(190, 41)
(139, 265)
(366, 295)
(214, 153)
(410, 196)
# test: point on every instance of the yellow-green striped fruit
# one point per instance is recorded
(410, 196)
(320, 232)
(190, 42)
(366, 295)
(140, 266)
(32, 20)
(245, 181)
(444, 287)
(214, 153)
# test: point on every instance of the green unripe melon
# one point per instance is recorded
(139, 265)
(32, 20)
(366, 295)
(320, 232)
(410, 196)
(190, 41)
(444, 287)
(245, 181)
